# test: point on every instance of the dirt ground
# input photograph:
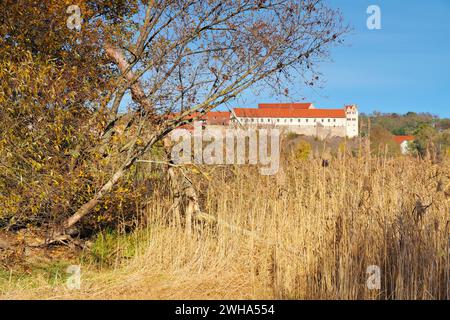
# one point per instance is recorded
(19, 251)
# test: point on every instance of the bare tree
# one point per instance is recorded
(191, 56)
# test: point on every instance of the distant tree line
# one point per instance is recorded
(432, 134)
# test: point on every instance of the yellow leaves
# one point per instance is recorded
(342, 147)
(10, 206)
(139, 142)
(204, 173)
(21, 236)
(89, 189)
(36, 165)
(303, 151)
(115, 139)
(34, 209)
(122, 190)
(195, 170)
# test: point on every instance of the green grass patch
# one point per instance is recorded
(111, 248)
(36, 275)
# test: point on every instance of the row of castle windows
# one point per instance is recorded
(285, 120)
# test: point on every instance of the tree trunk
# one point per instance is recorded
(183, 193)
(88, 206)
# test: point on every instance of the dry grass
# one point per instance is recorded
(316, 230)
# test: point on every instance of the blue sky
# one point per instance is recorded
(403, 67)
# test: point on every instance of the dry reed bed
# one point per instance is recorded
(314, 232)
(317, 230)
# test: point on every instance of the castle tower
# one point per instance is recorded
(352, 121)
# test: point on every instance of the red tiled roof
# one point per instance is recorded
(301, 106)
(289, 113)
(212, 117)
(401, 139)
(217, 117)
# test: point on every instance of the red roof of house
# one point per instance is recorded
(401, 139)
(212, 117)
(217, 117)
(302, 106)
(289, 113)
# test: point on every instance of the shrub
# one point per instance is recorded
(303, 151)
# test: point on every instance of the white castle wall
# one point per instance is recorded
(319, 127)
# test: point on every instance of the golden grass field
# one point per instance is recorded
(309, 232)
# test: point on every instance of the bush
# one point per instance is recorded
(49, 166)
(303, 151)
(380, 139)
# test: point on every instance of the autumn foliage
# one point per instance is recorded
(51, 79)
(67, 155)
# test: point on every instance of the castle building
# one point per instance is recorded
(299, 118)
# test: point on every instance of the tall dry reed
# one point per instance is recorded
(310, 232)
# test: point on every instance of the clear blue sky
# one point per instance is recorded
(403, 67)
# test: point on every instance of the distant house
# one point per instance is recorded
(404, 142)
